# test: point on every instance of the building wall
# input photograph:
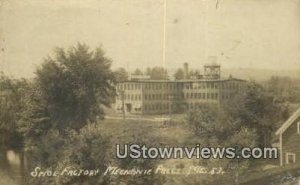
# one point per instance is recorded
(155, 97)
(230, 88)
(129, 95)
(159, 96)
(200, 92)
(291, 142)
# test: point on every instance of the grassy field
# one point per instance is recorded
(175, 133)
(151, 132)
(135, 130)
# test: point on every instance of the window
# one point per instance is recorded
(298, 127)
(290, 158)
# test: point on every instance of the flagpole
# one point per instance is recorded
(164, 34)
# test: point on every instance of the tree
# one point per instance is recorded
(73, 87)
(179, 74)
(137, 72)
(283, 88)
(121, 74)
(157, 73)
(215, 128)
(194, 74)
(86, 149)
(62, 108)
(12, 93)
(256, 109)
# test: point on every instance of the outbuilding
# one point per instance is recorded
(289, 140)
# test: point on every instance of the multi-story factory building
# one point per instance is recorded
(145, 96)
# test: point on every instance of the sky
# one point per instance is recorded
(261, 34)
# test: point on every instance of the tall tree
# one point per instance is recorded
(215, 128)
(63, 107)
(72, 87)
(179, 74)
(137, 72)
(257, 109)
(121, 74)
(157, 73)
(12, 103)
(283, 88)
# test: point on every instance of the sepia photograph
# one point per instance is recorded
(150, 92)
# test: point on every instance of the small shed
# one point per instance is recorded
(289, 140)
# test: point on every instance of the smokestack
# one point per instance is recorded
(186, 70)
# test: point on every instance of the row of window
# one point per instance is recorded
(212, 86)
(158, 107)
(158, 86)
(174, 86)
(138, 97)
(159, 96)
(164, 107)
(213, 96)
(132, 97)
(148, 86)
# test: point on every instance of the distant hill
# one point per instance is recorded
(258, 74)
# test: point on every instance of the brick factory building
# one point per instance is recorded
(145, 96)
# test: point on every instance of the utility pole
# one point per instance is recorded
(123, 103)
(170, 105)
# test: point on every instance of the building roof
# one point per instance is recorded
(187, 80)
(288, 123)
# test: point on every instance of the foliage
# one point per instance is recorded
(246, 120)
(215, 128)
(83, 150)
(142, 164)
(137, 72)
(157, 73)
(12, 93)
(283, 88)
(121, 74)
(195, 74)
(67, 95)
(72, 87)
(257, 109)
(179, 74)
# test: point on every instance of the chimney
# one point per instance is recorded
(186, 70)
